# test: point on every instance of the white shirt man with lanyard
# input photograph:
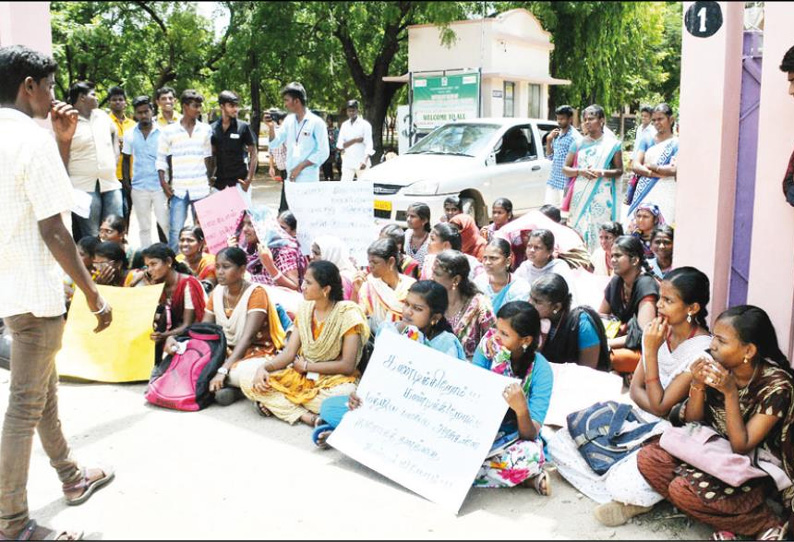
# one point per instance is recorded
(355, 142)
(304, 135)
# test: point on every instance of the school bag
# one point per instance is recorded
(181, 381)
(596, 430)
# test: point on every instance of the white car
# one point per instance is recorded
(479, 160)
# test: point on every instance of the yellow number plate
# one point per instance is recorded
(382, 205)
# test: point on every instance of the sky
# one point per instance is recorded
(221, 21)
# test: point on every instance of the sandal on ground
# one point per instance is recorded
(87, 486)
(616, 513)
(32, 531)
(263, 410)
(775, 533)
(321, 434)
(541, 483)
(723, 535)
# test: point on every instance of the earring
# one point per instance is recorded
(454, 286)
(555, 311)
(746, 359)
(689, 318)
(525, 347)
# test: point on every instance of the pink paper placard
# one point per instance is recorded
(219, 215)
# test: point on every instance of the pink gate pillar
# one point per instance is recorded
(26, 23)
(711, 74)
(771, 284)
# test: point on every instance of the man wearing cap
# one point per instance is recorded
(231, 139)
(304, 135)
(355, 142)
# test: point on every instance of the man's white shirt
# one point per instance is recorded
(357, 153)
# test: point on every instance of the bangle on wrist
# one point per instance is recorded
(277, 275)
(699, 388)
(103, 309)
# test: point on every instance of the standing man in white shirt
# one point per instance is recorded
(189, 144)
(90, 157)
(355, 142)
(646, 128)
(35, 250)
(305, 136)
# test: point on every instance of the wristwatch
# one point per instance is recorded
(223, 371)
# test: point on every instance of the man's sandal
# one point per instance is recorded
(87, 485)
(32, 531)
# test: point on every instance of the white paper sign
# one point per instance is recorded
(341, 209)
(577, 387)
(427, 420)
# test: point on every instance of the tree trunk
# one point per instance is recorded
(256, 99)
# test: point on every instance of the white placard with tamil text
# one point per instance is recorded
(341, 209)
(427, 420)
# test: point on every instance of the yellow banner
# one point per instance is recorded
(121, 353)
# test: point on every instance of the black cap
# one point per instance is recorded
(228, 97)
(295, 88)
(352, 104)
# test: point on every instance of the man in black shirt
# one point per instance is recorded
(231, 138)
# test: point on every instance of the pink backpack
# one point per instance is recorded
(181, 381)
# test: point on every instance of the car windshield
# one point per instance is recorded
(458, 139)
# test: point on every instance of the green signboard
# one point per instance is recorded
(441, 99)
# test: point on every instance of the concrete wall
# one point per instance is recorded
(772, 256)
(709, 113)
(26, 23)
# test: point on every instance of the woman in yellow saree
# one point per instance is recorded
(321, 356)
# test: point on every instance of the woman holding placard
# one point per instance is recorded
(321, 356)
(422, 321)
(510, 350)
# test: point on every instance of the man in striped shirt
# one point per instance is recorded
(188, 143)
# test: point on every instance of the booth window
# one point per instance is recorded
(534, 101)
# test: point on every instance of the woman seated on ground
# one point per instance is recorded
(541, 261)
(381, 293)
(114, 229)
(443, 237)
(646, 218)
(631, 297)
(182, 301)
(745, 394)
(289, 223)
(510, 350)
(498, 283)
(249, 320)
(331, 249)
(501, 214)
(671, 343)
(85, 249)
(417, 236)
(452, 208)
(423, 321)
(112, 267)
(576, 335)
(408, 266)
(282, 265)
(602, 256)
(192, 248)
(321, 356)
(469, 312)
(662, 247)
(472, 242)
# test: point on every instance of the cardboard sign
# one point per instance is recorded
(340, 209)
(219, 214)
(124, 352)
(427, 420)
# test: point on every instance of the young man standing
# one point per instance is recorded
(305, 136)
(188, 143)
(231, 140)
(34, 194)
(355, 142)
(166, 99)
(90, 157)
(787, 66)
(117, 99)
(558, 142)
(139, 170)
(646, 128)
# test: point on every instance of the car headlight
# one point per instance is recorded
(422, 188)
